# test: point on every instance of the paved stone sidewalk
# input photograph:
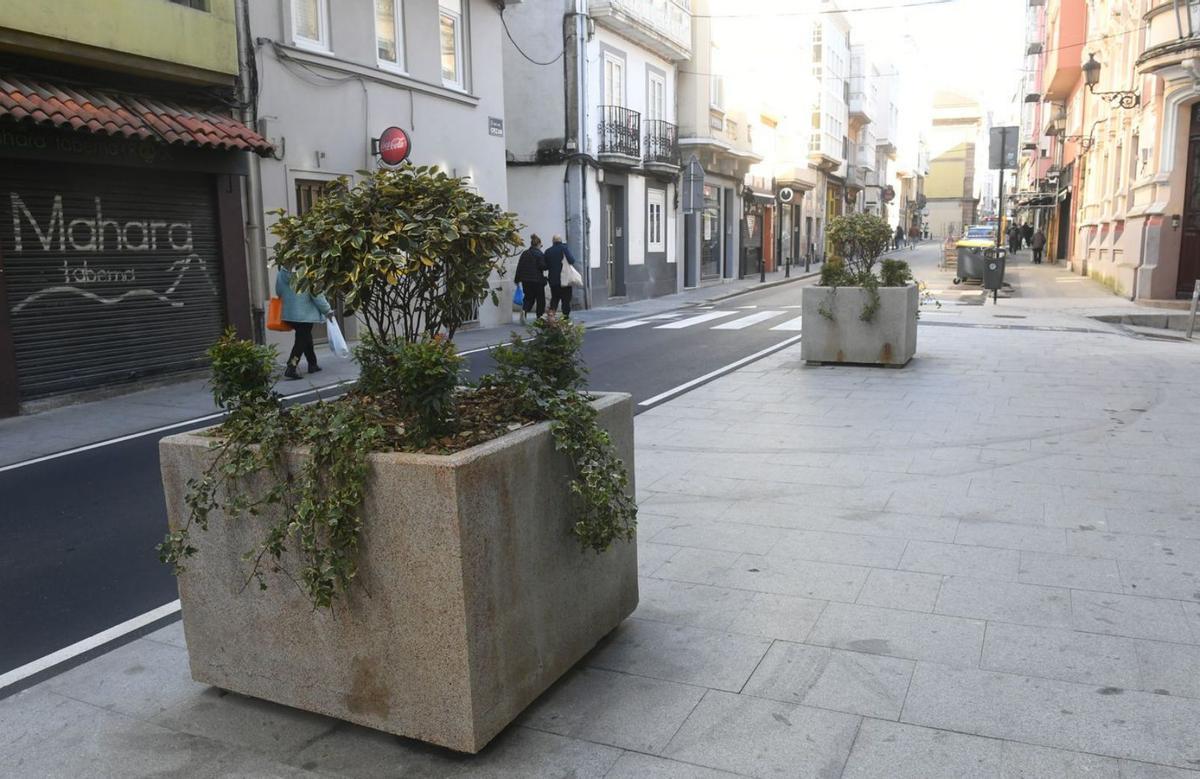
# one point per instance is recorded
(984, 565)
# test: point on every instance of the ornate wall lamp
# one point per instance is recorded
(1091, 74)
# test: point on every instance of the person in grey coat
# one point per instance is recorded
(300, 312)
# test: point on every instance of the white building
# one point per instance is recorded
(328, 76)
(592, 139)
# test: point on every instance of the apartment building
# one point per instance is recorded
(829, 143)
(593, 142)
(950, 189)
(123, 256)
(325, 78)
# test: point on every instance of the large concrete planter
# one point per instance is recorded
(888, 339)
(474, 595)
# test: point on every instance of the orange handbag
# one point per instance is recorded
(275, 316)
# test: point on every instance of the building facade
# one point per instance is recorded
(324, 79)
(950, 190)
(593, 140)
(123, 256)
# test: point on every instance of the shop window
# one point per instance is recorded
(450, 30)
(389, 34)
(198, 5)
(310, 24)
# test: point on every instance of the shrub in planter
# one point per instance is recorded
(419, 542)
(855, 315)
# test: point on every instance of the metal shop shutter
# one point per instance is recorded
(113, 274)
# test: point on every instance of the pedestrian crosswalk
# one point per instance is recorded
(782, 320)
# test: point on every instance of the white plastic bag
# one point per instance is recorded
(337, 342)
(570, 276)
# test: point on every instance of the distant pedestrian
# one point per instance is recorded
(1027, 234)
(301, 311)
(559, 292)
(531, 275)
(913, 235)
(898, 238)
(1038, 243)
(1014, 238)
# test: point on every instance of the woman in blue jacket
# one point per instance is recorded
(301, 311)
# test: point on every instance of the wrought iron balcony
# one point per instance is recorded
(620, 134)
(662, 145)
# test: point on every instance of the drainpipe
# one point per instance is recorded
(581, 71)
(252, 184)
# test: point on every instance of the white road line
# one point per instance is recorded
(695, 320)
(626, 325)
(672, 315)
(792, 325)
(718, 372)
(152, 431)
(86, 645)
(746, 321)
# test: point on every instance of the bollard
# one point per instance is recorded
(1195, 305)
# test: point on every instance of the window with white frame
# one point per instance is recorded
(389, 33)
(614, 80)
(450, 30)
(310, 24)
(656, 208)
(656, 98)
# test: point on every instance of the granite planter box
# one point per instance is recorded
(472, 598)
(889, 339)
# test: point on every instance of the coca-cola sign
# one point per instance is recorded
(394, 146)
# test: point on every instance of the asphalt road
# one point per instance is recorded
(79, 531)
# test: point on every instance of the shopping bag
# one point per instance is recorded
(518, 298)
(570, 276)
(337, 342)
(275, 316)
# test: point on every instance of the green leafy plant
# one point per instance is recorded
(894, 273)
(428, 372)
(242, 371)
(413, 251)
(857, 241)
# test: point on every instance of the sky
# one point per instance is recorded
(975, 47)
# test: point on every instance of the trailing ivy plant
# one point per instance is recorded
(316, 507)
(412, 250)
(543, 377)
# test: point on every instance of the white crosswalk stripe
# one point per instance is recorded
(626, 325)
(695, 320)
(792, 325)
(746, 321)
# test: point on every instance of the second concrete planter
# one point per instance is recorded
(472, 595)
(835, 333)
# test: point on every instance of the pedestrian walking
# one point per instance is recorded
(913, 235)
(560, 293)
(1038, 243)
(531, 275)
(898, 238)
(301, 311)
(1027, 234)
(1014, 238)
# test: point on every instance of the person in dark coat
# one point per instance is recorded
(898, 238)
(559, 292)
(1014, 238)
(531, 275)
(1038, 243)
(1027, 234)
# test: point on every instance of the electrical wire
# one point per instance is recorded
(521, 51)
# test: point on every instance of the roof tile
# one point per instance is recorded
(108, 112)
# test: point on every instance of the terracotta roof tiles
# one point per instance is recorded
(108, 112)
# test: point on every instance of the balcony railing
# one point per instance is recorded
(662, 143)
(664, 26)
(620, 131)
(1172, 35)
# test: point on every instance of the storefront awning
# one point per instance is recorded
(121, 114)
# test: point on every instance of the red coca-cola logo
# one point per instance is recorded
(394, 146)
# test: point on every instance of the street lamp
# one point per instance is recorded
(1091, 74)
